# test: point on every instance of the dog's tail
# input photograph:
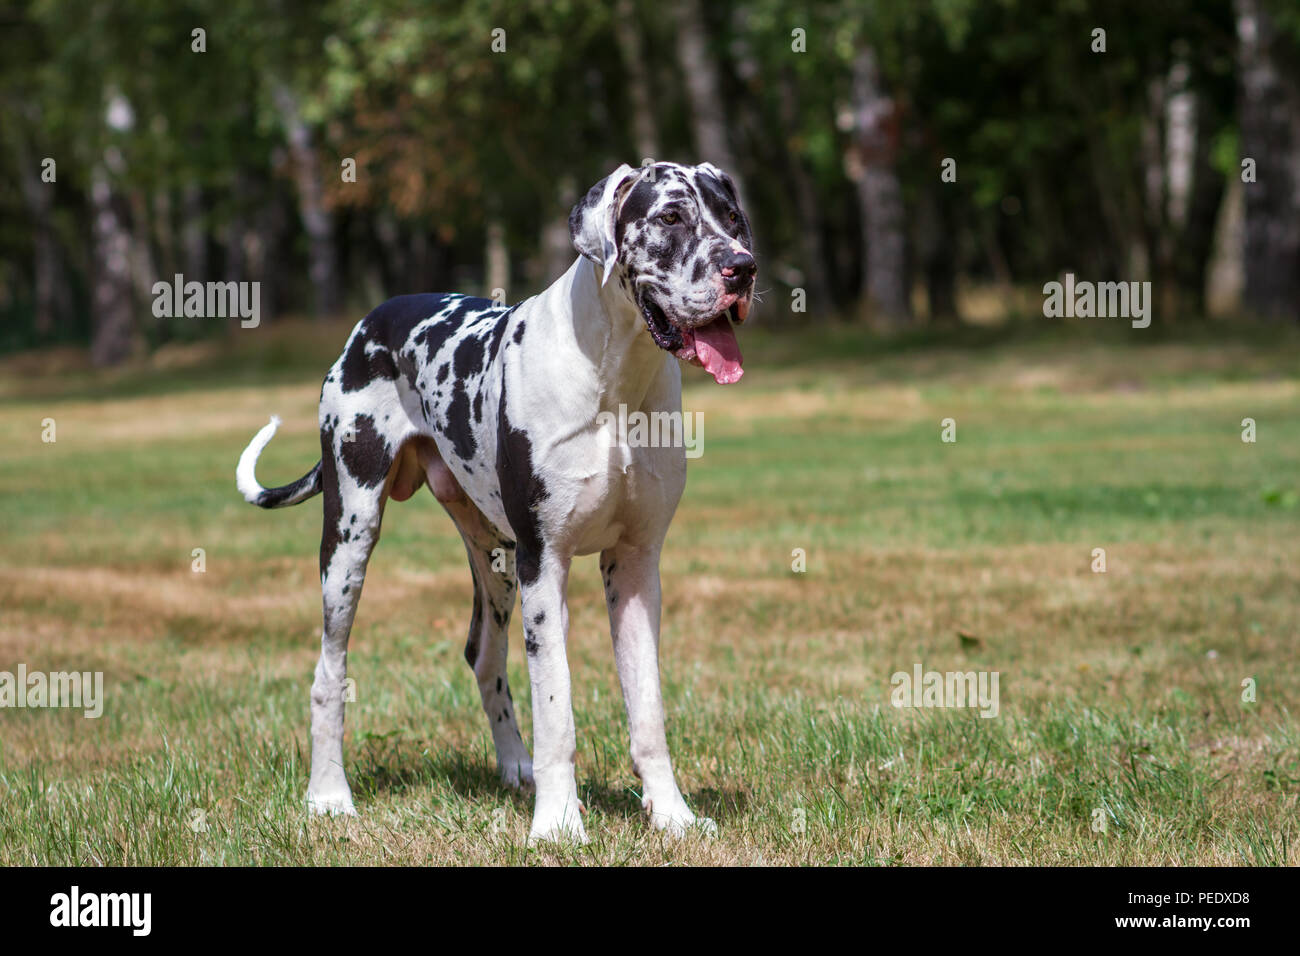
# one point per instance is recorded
(246, 479)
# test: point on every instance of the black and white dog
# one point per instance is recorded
(499, 409)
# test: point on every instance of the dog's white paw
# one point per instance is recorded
(558, 825)
(679, 820)
(334, 805)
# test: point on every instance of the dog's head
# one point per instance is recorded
(680, 245)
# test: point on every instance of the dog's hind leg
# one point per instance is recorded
(492, 564)
(354, 482)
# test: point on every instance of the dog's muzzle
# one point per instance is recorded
(712, 344)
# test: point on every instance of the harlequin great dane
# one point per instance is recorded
(499, 410)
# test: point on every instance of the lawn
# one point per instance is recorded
(1121, 736)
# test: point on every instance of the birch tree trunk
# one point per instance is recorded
(880, 194)
(114, 327)
(645, 131)
(317, 221)
(703, 83)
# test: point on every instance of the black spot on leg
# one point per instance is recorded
(498, 685)
(537, 621)
(530, 643)
(366, 456)
(333, 507)
(475, 623)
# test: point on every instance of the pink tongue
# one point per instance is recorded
(718, 351)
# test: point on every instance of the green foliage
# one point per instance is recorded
(448, 133)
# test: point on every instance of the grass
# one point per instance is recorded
(1120, 693)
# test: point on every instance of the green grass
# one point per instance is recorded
(1120, 692)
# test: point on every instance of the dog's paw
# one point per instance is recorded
(518, 775)
(558, 826)
(679, 820)
(334, 805)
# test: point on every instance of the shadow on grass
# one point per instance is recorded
(392, 770)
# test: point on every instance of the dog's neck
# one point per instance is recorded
(610, 331)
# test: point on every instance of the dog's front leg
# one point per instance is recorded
(557, 812)
(632, 592)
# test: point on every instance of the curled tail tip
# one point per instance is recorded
(245, 477)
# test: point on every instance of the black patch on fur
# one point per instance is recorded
(361, 367)
(366, 457)
(329, 539)
(475, 622)
(469, 357)
(496, 336)
(522, 492)
(458, 427)
(443, 369)
(635, 206)
(519, 332)
(720, 198)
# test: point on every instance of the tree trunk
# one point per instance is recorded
(317, 221)
(1269, 114)
(1196, 239)
(938, 254)
(704, 90)
(555, 248)
(49, 289)
(880, 195)
(805, 206)
(645, 132)
(114, 331)
(497, 258)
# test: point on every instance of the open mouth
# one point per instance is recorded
(712, 346)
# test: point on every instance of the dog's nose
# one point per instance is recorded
(737, 269)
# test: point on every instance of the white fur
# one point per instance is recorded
(245, 474)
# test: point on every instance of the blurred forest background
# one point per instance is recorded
(231, 163)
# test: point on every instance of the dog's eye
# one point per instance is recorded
(733, 217)
(669, 218)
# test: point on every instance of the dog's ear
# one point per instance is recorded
(591, 224)
(728, 183)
